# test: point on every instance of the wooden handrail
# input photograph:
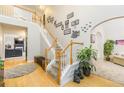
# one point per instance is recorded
(53, 45)
(63, 51)
(46, 59)
(53, 37)
(71, 49)
(77, 43)
(67, 46)
(47, 51)
(60, 54)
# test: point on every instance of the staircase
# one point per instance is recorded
(61, 68)
(53, 70)
(60, 64)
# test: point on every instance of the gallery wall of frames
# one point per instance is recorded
(67, 25)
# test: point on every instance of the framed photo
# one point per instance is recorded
(59, 24)
(67, 24)
(55, 23)
(75, 34)
(67, 31)
(120, 42)
(48, 19)
(75, 22)
(51, 19)
(92, 38)
(70, 15)
(62, 27)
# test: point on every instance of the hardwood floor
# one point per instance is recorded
(94, 81)
(12, 63)
(39, 78)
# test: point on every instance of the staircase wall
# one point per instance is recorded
(85, 14)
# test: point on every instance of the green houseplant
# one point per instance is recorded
(1, 64)
(108, 47)
(84, 57)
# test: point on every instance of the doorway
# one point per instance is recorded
(14, 42)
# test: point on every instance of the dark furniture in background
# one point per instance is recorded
(13, 53)
(40, 60)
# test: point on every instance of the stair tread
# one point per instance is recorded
(55, 66)
(53, 74)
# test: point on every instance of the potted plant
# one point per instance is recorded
(84, 56)
(108, 47)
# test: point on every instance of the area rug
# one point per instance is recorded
(19, 70)
(110, 71)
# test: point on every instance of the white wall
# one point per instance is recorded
(34, 46)
(114, 30)
(95, 14)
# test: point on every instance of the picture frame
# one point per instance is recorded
(75, 34)
(55, 23)
(92, 38)
(67, 24)
(70, 15)
(50, 19)
(67, 31)
(119, 42)
(62, 27)
(59, 24)
(75, 22)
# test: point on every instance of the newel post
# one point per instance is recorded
(58, 59)
(46, 58)
(71, 52)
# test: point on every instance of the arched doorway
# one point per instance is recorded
(99, 46)
(112, 24)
